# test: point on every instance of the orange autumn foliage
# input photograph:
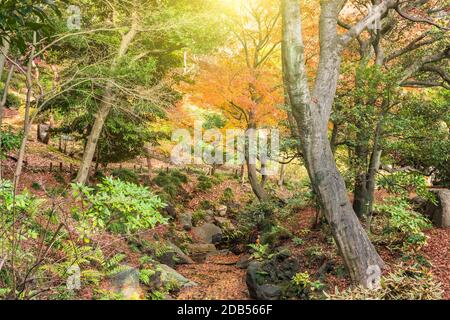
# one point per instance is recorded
(229, 86)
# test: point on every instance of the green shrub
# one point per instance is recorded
(126, 175)
(302, 282)
(207, 182)
(204, 183)
(402, 183)
(10, 141)
(206, 205)
(257, 216)
(297, 241)
(12, 101)
(227, 195)
(404, 224)
(23, 203)
(198, 216)
(171, 182)
(260, 251)
(36, 186)
(315, 253)
(121, 207)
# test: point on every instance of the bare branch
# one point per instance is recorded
(376, 13)
(419, 20)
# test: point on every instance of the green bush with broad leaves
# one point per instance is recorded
(23, 203)
(260, 251)
(402, 183)
(118, 206)
(9, 141)
(302, 281)
(404, 224)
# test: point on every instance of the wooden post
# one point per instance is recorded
(51, 166)
(60, 167)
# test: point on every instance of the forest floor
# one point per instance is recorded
(219, 277)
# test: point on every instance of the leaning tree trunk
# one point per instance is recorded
(26, 121)
(91, 144)
(2, 105)
(375, 162)
(105, 107)
(257, 187)
(3, 53)
(282, 175)
(312, 114)
(360, 187)
(264, 175)
(242, 174)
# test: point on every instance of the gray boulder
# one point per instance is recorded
(126, 283)
(186, 221)
(265, 279)
(439, 213)
(243, 262)
(200, 251)
(208, 233)
(181, 257)
(256, 286)
(225, 223)
(169, 275)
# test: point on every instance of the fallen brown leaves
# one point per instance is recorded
(215, 279)
(437, 252)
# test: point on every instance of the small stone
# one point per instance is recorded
(222, 210)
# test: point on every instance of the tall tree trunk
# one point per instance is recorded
(250, 159)
(2, 105)
(375, 162)
(312, 114)
(264, 175)
(282, 174)
(360, 188)
(105, 107)
(257, 188)
(371, 178)
(26, 121)
(3, 53)
(148, 156)
(91, 144)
